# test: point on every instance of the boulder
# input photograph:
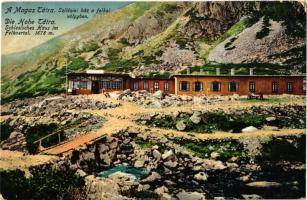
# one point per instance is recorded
(269, 119)
(249, 129)
(195, 118)
(158, 94)
(270, 128)
(139, 163)
(171, 164)
(163, 192)
(154, 176)
(168, 155)
(156, 154)
(183, 195)
(80, 173)
(201, 176)
(180, 125)
(214, 155)
(263, 184)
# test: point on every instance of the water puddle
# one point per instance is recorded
(135, 172)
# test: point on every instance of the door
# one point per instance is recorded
(95, 87)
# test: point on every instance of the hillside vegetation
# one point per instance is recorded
(145, 38)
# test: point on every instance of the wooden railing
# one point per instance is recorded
(39, 141)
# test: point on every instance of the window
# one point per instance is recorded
(184, 86)
(116, 84)
(274, 87)
(145, 85)
(106, 84)
(197, 86)
(156, 86)
(289, 87)
(75, 84)
(83, 84)
(233, 86)
(216, 86)
(166, 86)
(135, 85)
(252, 86)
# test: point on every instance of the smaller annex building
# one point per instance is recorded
(97, 81)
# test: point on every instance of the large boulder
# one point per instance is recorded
(158, 94)
(101, 188)
(201, 176)
(168, 155)
(154, 176)
(183, 195)
(180, 125)
(195, 118)
(249, 129)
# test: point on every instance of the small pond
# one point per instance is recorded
(136, 172)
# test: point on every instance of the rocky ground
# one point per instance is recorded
(21, 118)
(160, 100)
(265, 161)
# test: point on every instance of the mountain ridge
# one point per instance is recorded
(146, 38)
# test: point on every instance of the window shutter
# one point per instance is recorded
(219, 84)
(201, 86)
(188, 86)
(194, 84)
(180, 85)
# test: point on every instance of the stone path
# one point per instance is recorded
(121, 118)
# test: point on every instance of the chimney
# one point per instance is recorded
(201, 71)
(188, 70)
(251, 71)
(232, 71)
(218, 71)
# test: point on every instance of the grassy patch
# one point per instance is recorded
(143, 143)
(156, 75)
(152, 45)
(44, 184)
(118, 64)
(242, 69)
(225, 149)
(285, 117)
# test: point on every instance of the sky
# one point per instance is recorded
(17, 43)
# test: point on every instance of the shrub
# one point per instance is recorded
(91, 46)
(264, 29)
(44, 184)
(226, 149)
(279, 150)
(143, 143)
(77, 63)
(5, 131)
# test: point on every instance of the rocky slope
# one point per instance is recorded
(155, 37)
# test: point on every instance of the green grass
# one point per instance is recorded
(156, 75)
(232, 122)
(44, 184)
(152, 45)
(226, 149)
(242, 69)
(143, 143)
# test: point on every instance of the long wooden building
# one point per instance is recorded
(97, 81)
